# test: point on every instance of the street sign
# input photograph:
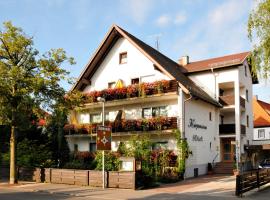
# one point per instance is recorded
(104, 138)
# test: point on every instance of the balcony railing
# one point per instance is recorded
(230, 129)
(153, 124)
(228, 100)
(135, 90)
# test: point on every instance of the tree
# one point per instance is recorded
(259, 32)
(28, 81)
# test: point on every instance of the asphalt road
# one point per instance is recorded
(204, 188)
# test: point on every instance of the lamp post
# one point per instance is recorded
(100, 99)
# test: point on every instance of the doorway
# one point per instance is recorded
(228, 149)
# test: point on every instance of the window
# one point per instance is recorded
(261, 133)
(146, 113)
(210, 116)
(84, 118)
(155, 112)
(245, 70)
(247, 95)
(221, 92)
(123, 58)
(160, 145)
(221, 119)
(247, 121)
(95, 118)
(92, 147)
(111, 85)
(135, 81)
(76, 147)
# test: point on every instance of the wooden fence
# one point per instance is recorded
(251, 180)
(86, 177)
(121, 180)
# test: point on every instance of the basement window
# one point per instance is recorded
(123, 58)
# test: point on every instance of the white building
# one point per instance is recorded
(210, 101)
(261, 132)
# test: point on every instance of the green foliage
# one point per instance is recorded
(183, 151)
(139, 147)
(111, 161)
(32, 154)
(259, 32)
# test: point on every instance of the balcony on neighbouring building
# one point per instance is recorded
(225, 129)
(229, 100)
(125, 126)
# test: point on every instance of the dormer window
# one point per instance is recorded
(123, 58)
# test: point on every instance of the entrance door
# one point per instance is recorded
(228, 150)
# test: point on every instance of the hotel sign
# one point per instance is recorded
(104, 138)
(193, 124)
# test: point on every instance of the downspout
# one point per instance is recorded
(184, 115)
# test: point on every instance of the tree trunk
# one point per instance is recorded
(13, 175)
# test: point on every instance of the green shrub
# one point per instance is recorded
(111, 161)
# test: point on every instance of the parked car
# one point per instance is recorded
(265, 164)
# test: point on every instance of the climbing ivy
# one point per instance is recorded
(183, 151)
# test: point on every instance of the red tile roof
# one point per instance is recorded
(261, 112)
(219, 62)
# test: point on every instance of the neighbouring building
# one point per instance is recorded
(209, 101)
(261, 132)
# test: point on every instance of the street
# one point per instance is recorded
(205, 187)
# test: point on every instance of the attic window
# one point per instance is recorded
(123, 58)
(111, 84)
(135, 81)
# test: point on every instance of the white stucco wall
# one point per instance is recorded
(202, 152)
(137, 66)
(264, 140)
(132, 111)
(246, 82)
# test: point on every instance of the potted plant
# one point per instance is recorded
(235, 170)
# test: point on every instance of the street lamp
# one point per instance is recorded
(100, 99)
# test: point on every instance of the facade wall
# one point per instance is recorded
(137, 66)
(204, 151)
(133, 111)
(245, 79)
(256, 134)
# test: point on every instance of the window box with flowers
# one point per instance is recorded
(131, 91)
(131, 125)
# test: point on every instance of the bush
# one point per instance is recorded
(111, 161)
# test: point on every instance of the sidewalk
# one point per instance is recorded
(201, 188)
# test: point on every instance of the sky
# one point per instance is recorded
(199, 28)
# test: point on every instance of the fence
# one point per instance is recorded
(251, 180)
(86, 177)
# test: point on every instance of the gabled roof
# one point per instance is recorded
(261, 112)
(218, 62)
(162, 62)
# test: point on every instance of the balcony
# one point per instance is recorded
(125, 126)
(225, 129)
(229, 100)
(133, 92)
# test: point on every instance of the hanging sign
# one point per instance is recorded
(104, 138)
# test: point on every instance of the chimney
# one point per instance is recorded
(184, 60)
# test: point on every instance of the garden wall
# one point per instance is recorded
(86, 177)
